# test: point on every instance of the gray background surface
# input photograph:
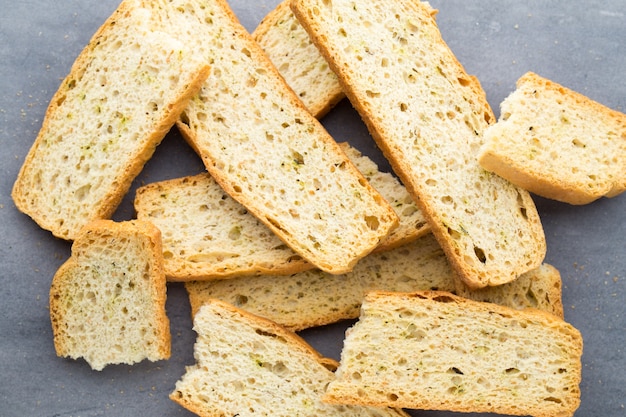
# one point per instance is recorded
(579, 44)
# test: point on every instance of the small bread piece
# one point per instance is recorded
(315, 298)
(248, 366)
(305, 70)
(107, 301)
(122, 95)
(434, 350)
(207, 235)
(270, 154)
(427, 116)
(557, 143)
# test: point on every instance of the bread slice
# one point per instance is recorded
(428, 116)
(434, 350)
(207, 235)
(290, 49)
(248, 366)
(315, 298)
(107, 301)
(557, 143)
(123, 93)
(270, 154)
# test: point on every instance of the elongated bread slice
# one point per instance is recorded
(122, 95)
(107, 302)
(246, 365)
(270, 154)
(428, 116)
(314, 298)
(298, 60)
(434, 350)
(557, 143)
(207, 235)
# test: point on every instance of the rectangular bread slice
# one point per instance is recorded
(265, 149)
(107, 301)
(207, 235)
(434, 350)
(122, 95)
(298, 60)
(249, 366)
(557, 143)
(314, 298)
(428, 116)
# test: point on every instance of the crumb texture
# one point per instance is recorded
(434, 350)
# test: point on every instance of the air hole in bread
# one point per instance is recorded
(446, 199)
(392, 397)
(480, 254)
(553, 399)
(241, 300)
(83, 192)
(412, 332)
(453, 233)
(522, 207)
(443, 299)
(511, 371)
(234, 233)
(61, 99)
(531, 297)
(463, 81)
(372, 222)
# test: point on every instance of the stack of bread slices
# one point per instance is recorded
(442, 263)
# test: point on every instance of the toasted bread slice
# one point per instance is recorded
(434, 350)
(428, 116)
(122, 95)
(557, 143)
(107, 302)
(264, 148)
(246, 365)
